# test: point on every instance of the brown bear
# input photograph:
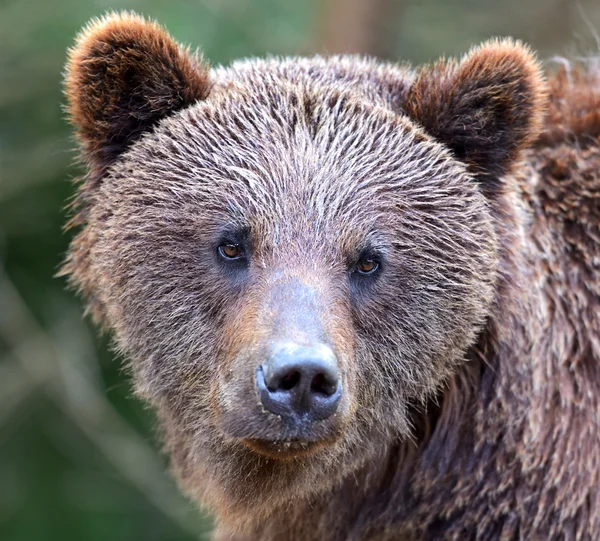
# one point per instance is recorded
(362, 298)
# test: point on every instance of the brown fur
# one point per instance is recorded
(123, 75)
(509, 92)
(470, 364)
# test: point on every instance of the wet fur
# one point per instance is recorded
(472, 365)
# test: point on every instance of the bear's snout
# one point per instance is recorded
(299, 383)
(287, 390)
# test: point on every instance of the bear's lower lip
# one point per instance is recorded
(284, 449)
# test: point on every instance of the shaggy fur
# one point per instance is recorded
(124, 75)
(470, 362)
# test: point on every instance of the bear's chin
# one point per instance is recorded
(253, 480)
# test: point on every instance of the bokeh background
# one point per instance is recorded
(78, 458)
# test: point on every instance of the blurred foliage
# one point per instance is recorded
(78, 459)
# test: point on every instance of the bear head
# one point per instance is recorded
(294, 254)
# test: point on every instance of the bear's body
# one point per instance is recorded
(428, 228)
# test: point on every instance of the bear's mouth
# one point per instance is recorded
(275, 437)
(285, 449)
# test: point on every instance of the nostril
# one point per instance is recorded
(324, 385)
(289, 381)
(299, 381)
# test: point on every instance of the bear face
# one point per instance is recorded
(291, 212)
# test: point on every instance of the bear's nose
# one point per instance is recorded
(300, 381)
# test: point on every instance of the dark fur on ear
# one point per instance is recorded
(123, 75)
(486, 108)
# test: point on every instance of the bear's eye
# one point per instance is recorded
(231, 251)
(367, 265)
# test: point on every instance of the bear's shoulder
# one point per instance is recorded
(574, 104)
(561, 177)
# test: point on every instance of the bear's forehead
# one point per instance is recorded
(297, 153)
(294, 136)
(291, 146)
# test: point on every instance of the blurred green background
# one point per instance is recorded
(78, 459)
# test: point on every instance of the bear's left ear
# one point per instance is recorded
(486, 108)
(123, 75)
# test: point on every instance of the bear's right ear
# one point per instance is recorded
(123, 75)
